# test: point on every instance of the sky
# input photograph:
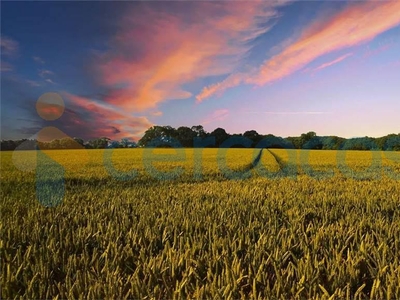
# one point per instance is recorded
(277, 67)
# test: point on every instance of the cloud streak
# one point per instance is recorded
(109, 121)
(333, 62)
(215, 116)
(150, 62)
(356, 24)
(45, 73)
(9, 47)
(38, 59)
(218, 88)
(289, 112)
(6, 67)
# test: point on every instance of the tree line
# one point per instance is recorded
(196, 136)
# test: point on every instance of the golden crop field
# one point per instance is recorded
(200, 223)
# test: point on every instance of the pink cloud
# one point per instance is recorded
(284, 113)
(104, 120)
(396, 63)
(217, 88)
(217, 115)
(337, 60)
(357, 24)
(155, 53)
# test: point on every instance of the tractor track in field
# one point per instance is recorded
(284, 169)
(256, 161)
(278, 160)
(253, 164)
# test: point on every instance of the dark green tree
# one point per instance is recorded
(220, 136)
(185, 136)
(199, 131)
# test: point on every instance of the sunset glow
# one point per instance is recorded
(280, 67)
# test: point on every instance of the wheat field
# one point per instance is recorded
(200, 223)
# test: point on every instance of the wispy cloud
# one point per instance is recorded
(218, 88)
(372, 52)
(215, 116)
(9, 47)
(38, 59)
(328, 64)
(174, 50)
(396, 63)
(360, 22)
(48, 80)
(33, 83)
(109, 120)
(6, 67)
(289, 112)
(45, 73)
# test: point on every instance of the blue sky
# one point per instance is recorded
(284, 67)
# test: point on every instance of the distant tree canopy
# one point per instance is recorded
(66, 143)
(196, 136)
